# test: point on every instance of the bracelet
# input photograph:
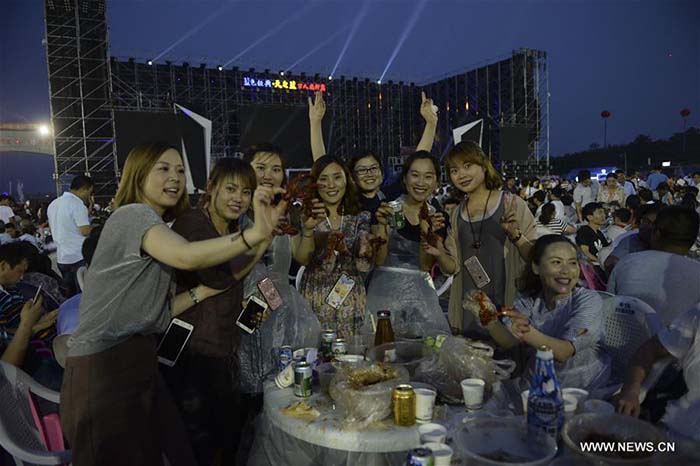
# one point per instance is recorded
(244, 241)
(193, 296)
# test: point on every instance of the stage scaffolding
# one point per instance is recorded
(79, 92)
(86, 87)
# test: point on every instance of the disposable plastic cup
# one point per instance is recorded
(425, 403)
(523, 396)
(473, 392)
(432, 433)
(442, 454)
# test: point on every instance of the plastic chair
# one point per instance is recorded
(80, 275)
(628, 323)
(19, 434)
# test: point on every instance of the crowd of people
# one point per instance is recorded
(121, 274)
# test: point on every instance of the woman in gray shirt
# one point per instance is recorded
(114, 407)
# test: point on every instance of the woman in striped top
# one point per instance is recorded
(547, 223)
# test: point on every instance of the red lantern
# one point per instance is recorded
(685, 112)
(605, 114)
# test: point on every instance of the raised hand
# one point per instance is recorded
(628, 402)
(31, 312)
(267, 216)
(317, 107)
(427, 109)
(384, 213)
(435, 251)
(318, 214)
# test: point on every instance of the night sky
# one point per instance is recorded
(638, 59)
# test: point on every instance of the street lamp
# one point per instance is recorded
(44, 130)
(605, 115)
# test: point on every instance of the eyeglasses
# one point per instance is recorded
(366, 171)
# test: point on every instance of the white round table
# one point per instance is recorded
(327, 430)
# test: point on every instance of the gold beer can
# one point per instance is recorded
(404, 399)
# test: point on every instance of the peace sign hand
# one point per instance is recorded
(427, 110)
(317, 108)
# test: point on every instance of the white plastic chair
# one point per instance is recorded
(19, 435)
(80, 275)
(445, 285)
(629, 322)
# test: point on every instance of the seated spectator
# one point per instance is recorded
(589, 237)
(13, 264)
(584, 193)
(537, 201)
(681, 340)
(7, 215)
(4, 237)
(67, 320)
(635, 240)
(621, 223)
(570, 214)
(690, 200)
(662, 276)
(555, 198)
(646, 196)
(11, 233)
(663, 194)
(627, 185)
(39, 274)
(612, 193)
(28, 233)
(548, 224)
(550, 310)
(633, 202)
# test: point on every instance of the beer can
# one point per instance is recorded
(397, 220)
(285, 356)
(420, 457)
(328, 336)
(404, 399)
(302, 379)
(339, 347)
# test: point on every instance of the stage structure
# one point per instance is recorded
(87, 87)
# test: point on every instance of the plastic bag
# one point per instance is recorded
(293, 323)
(368, 404)
(460, 359)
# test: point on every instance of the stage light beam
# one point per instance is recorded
(271, 32)
(194, 30)
(43, 130)
(355, 26)
(150, 62)
(317, 48)
(404, 35)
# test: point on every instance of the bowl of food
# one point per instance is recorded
(616, 429)
(407, 354)
(363, 394)
(489, 441)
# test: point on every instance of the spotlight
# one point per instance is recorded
(281, 73)
(330, 78)
(150, 62)
(43, 130)
(220, 68)
(379, 81)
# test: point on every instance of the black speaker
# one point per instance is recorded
(513, 143)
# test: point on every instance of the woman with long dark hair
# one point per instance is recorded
(335, 247)
(550, 310)
(548, 223)
(115, 409)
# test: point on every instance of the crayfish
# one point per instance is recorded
(336, 245)
(299, 196)
(430, 236)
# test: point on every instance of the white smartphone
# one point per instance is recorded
(174, 341)
(38, 293)
(246, 320)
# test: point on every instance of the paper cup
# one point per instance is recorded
(523, 396)
(473, 393)
(580, 394)
(432, 433)
(425, 402)
(442, 454)
(285, 378)
(570, 404)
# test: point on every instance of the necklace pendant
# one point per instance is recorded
(476, 245)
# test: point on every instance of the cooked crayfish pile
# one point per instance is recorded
(300, 194)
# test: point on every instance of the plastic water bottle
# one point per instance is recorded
(545, 405)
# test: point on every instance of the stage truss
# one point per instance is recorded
(86, 88)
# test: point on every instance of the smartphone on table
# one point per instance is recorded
(174, 341)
